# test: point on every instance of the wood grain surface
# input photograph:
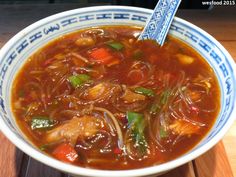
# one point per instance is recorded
(220, 161)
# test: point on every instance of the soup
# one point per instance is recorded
(98, 98)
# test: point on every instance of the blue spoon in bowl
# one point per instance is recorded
(159, 23)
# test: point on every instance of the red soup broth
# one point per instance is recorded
(98, 98)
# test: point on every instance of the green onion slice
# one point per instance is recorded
(163, 133)
(78, 80)
(137, 125)
(41, 122)
(144, 91)
(116, 45)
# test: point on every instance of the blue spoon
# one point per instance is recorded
(159, 23)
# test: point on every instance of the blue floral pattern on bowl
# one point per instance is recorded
(14, 54)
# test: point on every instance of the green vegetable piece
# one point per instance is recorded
(144, 91)
(136, 123)
(155, 108)
(78, 80)
(40, 122)
(134, 117)
(43, 147)
(160, 102)
(163, 133)
(164, 96)
(137, 54)
(21, 93)
(116, 45)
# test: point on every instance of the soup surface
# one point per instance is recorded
(98, 98)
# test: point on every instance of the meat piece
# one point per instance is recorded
(85, 41)
(185, 59)
(97, 91)
(101, 91)
(184, 128)
(131, 97)
(78, 127)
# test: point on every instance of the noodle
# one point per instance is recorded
(78, 56)
(118, 129)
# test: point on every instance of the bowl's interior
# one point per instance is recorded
(28, 41)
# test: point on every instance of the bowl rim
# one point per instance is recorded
(76, 170)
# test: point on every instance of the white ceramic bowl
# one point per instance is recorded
(27, 41)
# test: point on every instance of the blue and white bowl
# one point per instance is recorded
(14, 54)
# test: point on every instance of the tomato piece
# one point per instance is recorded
(101, 55)
(117, 150)
(65, 152)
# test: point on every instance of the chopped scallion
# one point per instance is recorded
(137, 54)
(41, 122)
(144, 91)
(160, 101)
(115, 45)
(134, 117)
(164, 96)
(21, 93)
(155, 108)
(163, 133)
(137, 125)
(43, 147)
(78, 80)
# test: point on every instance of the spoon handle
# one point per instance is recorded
(159, 23)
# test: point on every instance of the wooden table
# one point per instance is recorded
(220, 161)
